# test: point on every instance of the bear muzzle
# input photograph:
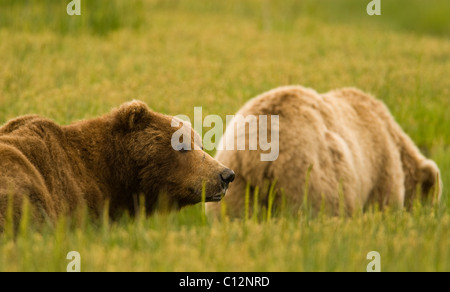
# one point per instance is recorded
(216, 198)
(226, 177)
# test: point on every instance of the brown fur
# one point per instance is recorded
(114, 158)
(359, 155)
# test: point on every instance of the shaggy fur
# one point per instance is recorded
(114, 158)
(359, 155)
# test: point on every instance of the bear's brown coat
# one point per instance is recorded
(116, 157)
(358, 154)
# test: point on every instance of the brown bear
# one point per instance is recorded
(343, 149)
(117, 158)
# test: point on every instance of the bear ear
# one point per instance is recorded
(430, 180)
(132, 115)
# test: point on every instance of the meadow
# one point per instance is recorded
(176, 55)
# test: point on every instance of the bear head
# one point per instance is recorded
(170, 176)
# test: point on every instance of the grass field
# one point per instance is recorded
(175, 55)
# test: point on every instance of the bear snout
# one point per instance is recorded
(227, 176)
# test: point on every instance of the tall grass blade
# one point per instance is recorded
(305, 207)
(204, 219)
(272, 194)
(25, 219)
(256, 206)
(247, 202)
(9, 219)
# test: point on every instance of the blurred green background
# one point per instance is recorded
(103, 16)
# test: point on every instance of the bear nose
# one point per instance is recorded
(227, 176)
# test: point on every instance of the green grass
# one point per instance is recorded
(175, 55)
(182, 242)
